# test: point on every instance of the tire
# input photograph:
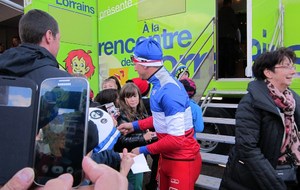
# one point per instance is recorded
(221, 129)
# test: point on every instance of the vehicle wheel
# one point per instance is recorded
(221, 129)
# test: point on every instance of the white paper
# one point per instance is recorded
(140, 164)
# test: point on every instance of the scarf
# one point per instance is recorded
(290, 149)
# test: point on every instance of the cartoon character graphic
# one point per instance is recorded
(80, 62)
(120, 74)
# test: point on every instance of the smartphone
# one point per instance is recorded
(111, 109)
(18, 104)
(62, 129)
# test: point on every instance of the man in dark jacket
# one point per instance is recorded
(35, 58)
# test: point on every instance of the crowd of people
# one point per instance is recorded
(154, 114)
(169, 141)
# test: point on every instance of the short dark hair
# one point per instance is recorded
(268, 60)
(34, 24)
(106, 96)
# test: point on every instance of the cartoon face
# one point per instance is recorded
(96, 114)
(80, 62)
(79, 66)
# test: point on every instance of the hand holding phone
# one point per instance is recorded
(103, 177)
(62, 125)
(112, 110)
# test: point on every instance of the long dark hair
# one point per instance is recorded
(127, 91)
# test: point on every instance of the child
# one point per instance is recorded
(131, 109)
(108, 95)
(107, 134)
(144, 87)
(190, 88)
(111, 82)
(117, 81)
(180, 69)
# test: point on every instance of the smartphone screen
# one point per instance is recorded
(111, 109)
(62, 129)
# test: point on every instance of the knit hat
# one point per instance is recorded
(189, 86)
(148, 52)
(179, 70)
(143, 85)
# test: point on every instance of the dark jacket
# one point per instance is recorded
(108, 157)
(30, 61)
(131, 140)
(259, 134)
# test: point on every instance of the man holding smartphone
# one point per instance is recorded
(35, 58)
(101, 175)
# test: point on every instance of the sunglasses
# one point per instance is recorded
(135, 59)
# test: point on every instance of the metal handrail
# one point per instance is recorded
(199, 52)
(278, 32)
(12, 5)
(177, 64)
(207, 100)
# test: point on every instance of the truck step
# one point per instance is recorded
(227, 92)
(219, 120)
(216, 138)
(220, 105)
(214, 158)
(208, 182)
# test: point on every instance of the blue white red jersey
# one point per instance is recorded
(172, 119)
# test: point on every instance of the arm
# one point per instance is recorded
(129, 127)
(197, 117)
(126, 163)
(144, 124)
(21, 180)
(102, 176)
(130, 141)
(107, 157)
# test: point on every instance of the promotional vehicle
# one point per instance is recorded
(98, 38)
(188, 31)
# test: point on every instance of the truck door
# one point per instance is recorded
(231, 38)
